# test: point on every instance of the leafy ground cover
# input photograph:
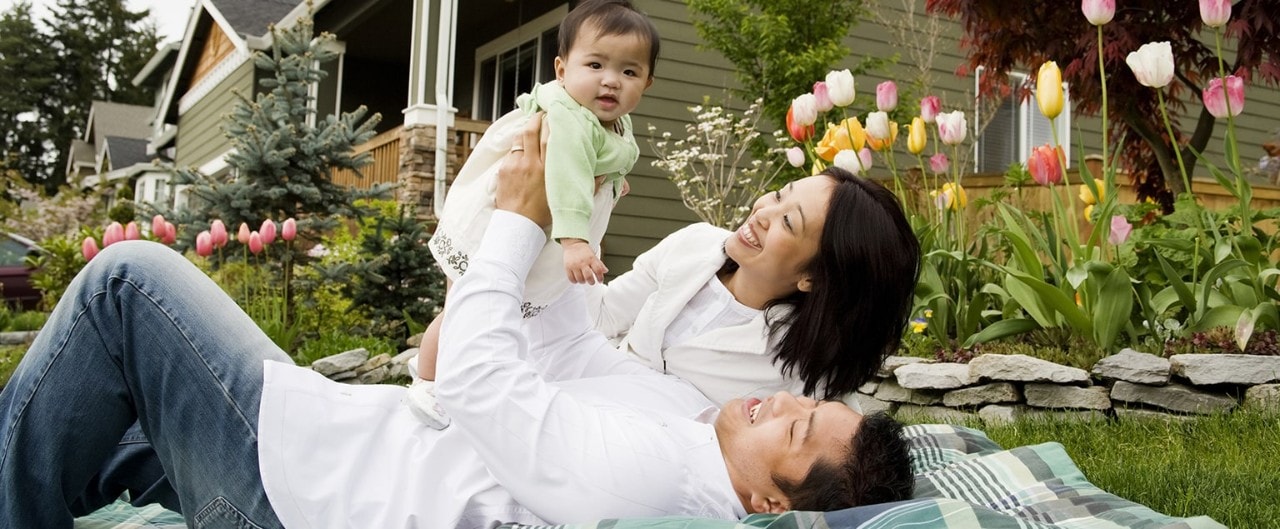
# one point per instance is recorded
(10, 355)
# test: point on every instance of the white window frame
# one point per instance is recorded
(1028, 116)
(512, 40)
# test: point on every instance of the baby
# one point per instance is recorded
(607, 53)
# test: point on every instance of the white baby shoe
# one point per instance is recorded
(423, 403)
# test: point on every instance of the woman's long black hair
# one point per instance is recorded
(837, 335)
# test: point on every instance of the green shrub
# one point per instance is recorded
(10, 355)
(332, 342)
(27, 320)
(57, 266)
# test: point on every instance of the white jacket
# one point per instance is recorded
(636, 308)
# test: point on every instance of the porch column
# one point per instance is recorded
(424, 138)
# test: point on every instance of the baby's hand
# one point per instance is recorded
(580, 263)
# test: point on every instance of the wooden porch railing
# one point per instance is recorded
(385, 149)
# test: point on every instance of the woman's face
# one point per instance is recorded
(775, 244)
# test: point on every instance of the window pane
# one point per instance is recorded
(515, 76)
(999, 143)
(547, 55)
(488, 76)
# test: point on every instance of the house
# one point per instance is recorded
(439, 70)
(112, 154)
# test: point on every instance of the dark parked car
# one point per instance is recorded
(15, 274)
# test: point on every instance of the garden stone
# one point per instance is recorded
(1263, 397)
(1001, 414)
(890, 391)
(1023, 368)
(934, 376)
(892, 363)
(404, 356)
(985, 394)
(1070, 397)
(340, 362)
(934, 414)
(345, 376)
(17, 337)
(375, 376)
(374, 363)
(1141, 414)
(868, 404)
(1174, 397)
(1208, 369)
(1132, 366)
(869, 388)
(414, 341)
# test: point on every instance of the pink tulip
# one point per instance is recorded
(218, 231)
(204, 244)
(1215, 13)
(243, 235)
(795, 156)
(114, 234)
(268, 231)
(255, 243)
(1217, 100)
(170, 233)
(157, 226)
(131, 232)
(886, 96)
(1099, 12)
(938, 163)
(929, 108)
(289, 230)
(952, 127)
(821, 97)
(1045, 165)
(89, 248)
(1120, 229)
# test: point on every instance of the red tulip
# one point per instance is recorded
(800, 133)
(204, 244)
(289, 230)
(114, 234)
(255, 243)
(268, 231)
(243, 235)
(170, 233)
(89, 248)
(1045, 165)
(218, 231)
(131, 232)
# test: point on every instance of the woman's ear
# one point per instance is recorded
(805, 284)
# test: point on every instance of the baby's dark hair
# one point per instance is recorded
(610, 17)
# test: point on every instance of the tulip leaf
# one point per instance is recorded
(1163, 300)
(1075, 276)
(1211, 279)
(1220, 316)
(1056, 300)
(1002, 329)
(1029, 301)
(1111, 312)
(1221, 250)
(1175, 281)
(1017, 238)
(1179, 244)
(1244, 327)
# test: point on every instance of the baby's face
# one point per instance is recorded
(607, 74)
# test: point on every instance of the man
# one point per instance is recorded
(569, 430)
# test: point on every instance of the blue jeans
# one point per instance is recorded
(141, 336)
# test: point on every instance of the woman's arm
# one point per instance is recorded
(613, 307)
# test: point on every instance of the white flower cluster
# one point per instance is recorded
(714, 167)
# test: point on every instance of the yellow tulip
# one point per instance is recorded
(877, 144)
(1087, 197)
(848, 134)
(1049, 90)
(917, 136)
(1088, 213)
(951, 196)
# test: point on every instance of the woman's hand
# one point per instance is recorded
(521, 180)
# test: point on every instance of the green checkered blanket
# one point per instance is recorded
(963, 479)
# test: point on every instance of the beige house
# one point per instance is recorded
(439, 70)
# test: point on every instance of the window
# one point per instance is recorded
(511, 64)
(1016, 128)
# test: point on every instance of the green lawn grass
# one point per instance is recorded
(9, 357)
(1226, 467)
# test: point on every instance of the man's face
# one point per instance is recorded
(783, 435)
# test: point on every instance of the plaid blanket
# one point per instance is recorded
(963, 479)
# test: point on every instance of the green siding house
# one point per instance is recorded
(439, 70)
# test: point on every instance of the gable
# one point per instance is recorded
(217, 47)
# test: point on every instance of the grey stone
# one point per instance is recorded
(376, 375)
(1001, 414)
(1132, 366)
(1143, 415)
(1069, 397)
(894, 362)
(868, 404)
(890, 391)
(869, 388)
(404, 356)
(934, 414)
(374, 363)
(1023, 368)
(344, 376)
(340, 362)
(1263, 397)
(17, 337)
(414, 341)
(995, 393)
(1207, 369)
(1174, 397)
(934, 376)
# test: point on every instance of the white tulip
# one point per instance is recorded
(840, 87)
(1152, 64)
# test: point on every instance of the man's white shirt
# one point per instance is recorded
(551, 424)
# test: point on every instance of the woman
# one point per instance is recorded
(809, 295)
